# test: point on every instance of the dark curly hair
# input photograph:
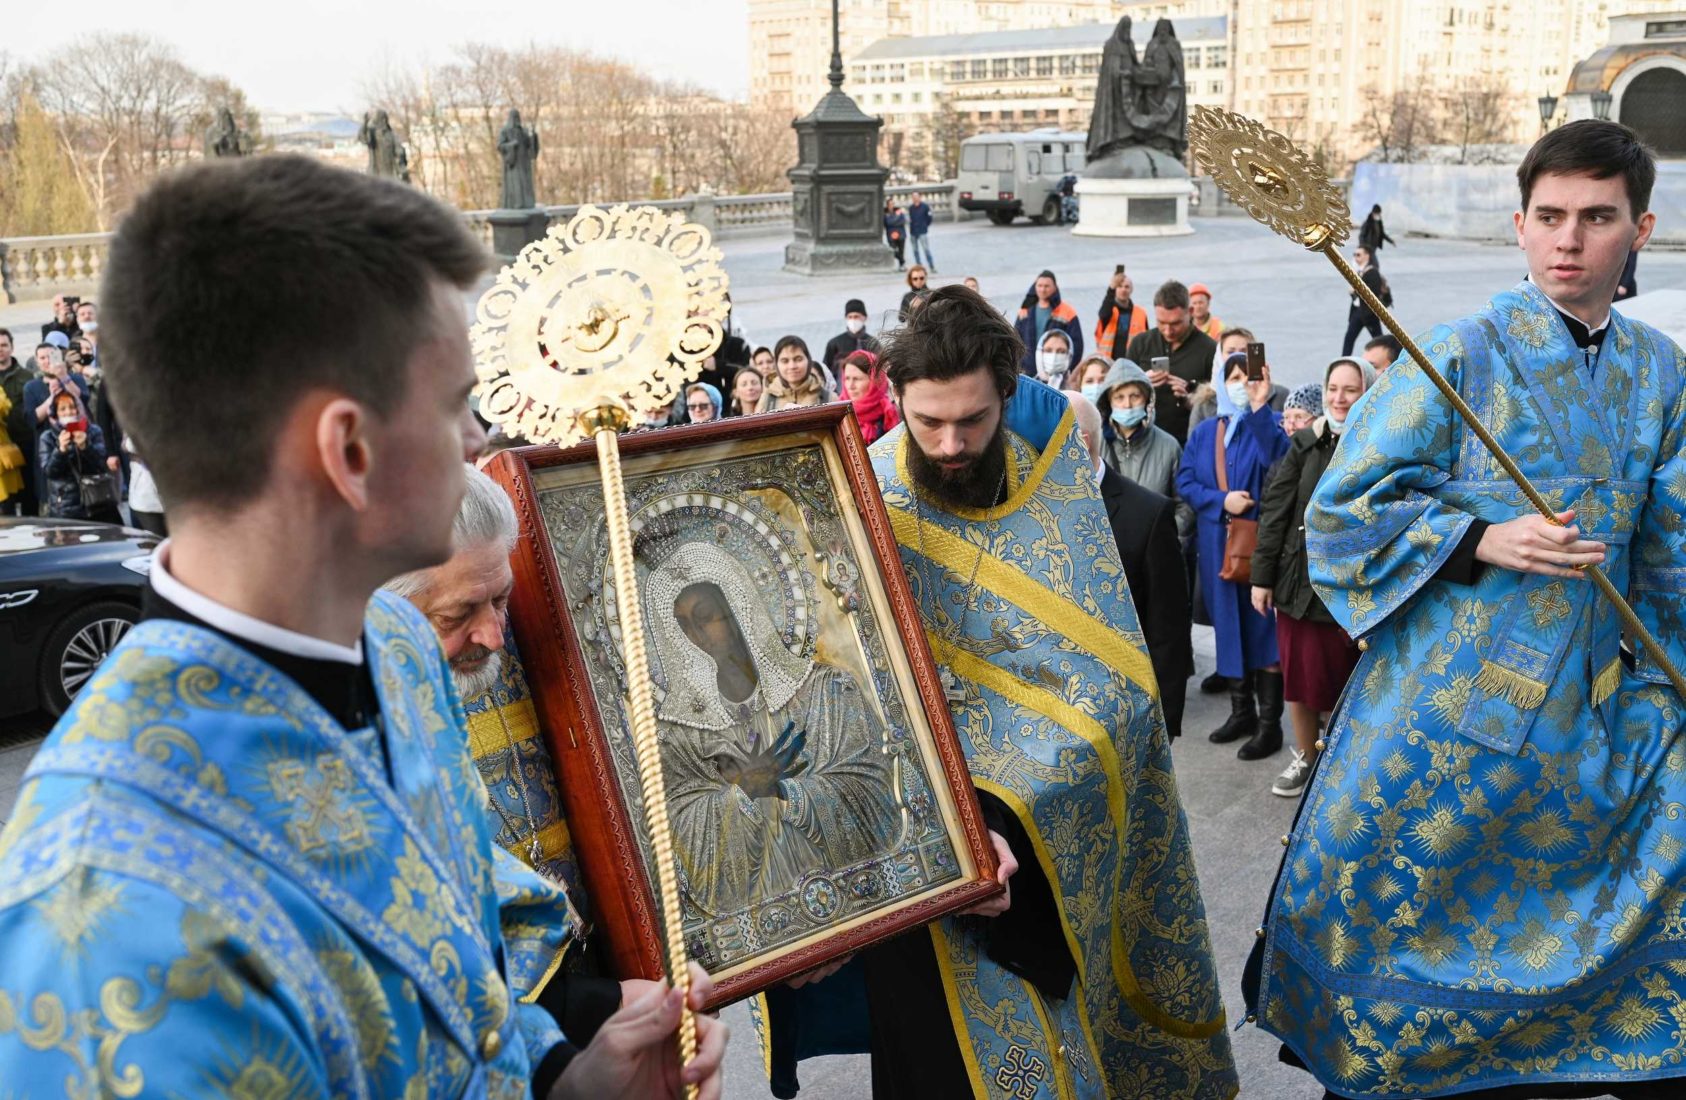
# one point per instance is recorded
(955, 333)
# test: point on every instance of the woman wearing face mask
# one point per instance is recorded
(866, 388)
(796, 380)
(1130, 443)
(747, 388)
(1317, 655)
(1091, 378)
(1053, 359)
(1222, 476)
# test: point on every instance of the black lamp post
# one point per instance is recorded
(837, 186)
(1548, 108)
(1601, 105)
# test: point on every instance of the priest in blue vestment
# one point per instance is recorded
(254, 858)
(1093, 976)
(1482, 893)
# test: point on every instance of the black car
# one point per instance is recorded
(69, 591)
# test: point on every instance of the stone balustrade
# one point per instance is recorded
(40, 267)
(36, 268)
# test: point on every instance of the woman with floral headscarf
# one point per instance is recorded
(1317, 655)
(868, 390)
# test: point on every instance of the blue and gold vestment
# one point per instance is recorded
(1484, 886)
(1060, 720)
(209, 888)
(520, 775)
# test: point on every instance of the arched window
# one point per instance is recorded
(1653, 107)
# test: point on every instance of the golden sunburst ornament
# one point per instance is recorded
(1265, 173)
(609, 314)
(617, 307)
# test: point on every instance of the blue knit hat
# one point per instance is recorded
(1308, 398)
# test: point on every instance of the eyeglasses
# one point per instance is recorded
(704, 407)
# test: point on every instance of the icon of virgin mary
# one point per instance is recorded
(776, 764)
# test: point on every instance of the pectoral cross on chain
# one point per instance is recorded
(952, 691)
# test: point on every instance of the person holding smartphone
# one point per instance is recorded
(1222, 477)
(1187, 353)
(71, 446)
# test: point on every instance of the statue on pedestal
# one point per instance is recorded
(386, 152)
(225, 138)
(1162, 106)
(1140, 123)
(519, 145)
(1110, 129)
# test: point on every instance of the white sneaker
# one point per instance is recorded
(1291, 783)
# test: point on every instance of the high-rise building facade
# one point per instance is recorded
(1337, 74)
(934, 90)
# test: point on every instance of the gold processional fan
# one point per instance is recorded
(606, 317)
(1278, 184)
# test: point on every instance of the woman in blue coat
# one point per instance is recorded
(1250, 435)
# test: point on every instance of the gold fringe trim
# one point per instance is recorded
(1520, 690)
(1606, 682)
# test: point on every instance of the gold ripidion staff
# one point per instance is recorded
(605, 423)
(1275, 182)
(608, 314)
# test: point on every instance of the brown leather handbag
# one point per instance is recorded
(1241, 536)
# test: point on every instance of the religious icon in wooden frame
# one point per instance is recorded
(819, 798)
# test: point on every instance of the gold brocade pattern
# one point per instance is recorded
(1483, 886)
(1058, 718)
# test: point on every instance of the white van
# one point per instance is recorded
(1005, 175)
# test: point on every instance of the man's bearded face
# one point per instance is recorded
(959, 437)
(476, 670)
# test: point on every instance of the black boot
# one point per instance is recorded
(1243, 719)
(1214, 684)
(1268, 739)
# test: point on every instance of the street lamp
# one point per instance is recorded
(1601, 105)
(1548, 108)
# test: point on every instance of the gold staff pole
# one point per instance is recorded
(604, 424)
(1280, 186)
(613, 310)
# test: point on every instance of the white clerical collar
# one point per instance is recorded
(1591, 330)
(244, 626)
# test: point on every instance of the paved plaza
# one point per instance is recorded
(1292, 299)
(1296, 304)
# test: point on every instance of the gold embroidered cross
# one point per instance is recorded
(318, 799)
(1549, 604)
(1020, 1072)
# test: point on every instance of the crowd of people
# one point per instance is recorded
(1231, 457)
(1181, 417)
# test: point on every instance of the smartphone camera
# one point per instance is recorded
(1255, 361)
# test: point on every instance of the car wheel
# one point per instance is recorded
(1001, 217)
(1051, 210)
(77, 646)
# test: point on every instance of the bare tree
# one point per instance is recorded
(1400, 124)
(1476, 112)
(949, 128)
(124, 106)
(751, 149)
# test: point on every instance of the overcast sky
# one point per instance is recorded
(295, 55)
